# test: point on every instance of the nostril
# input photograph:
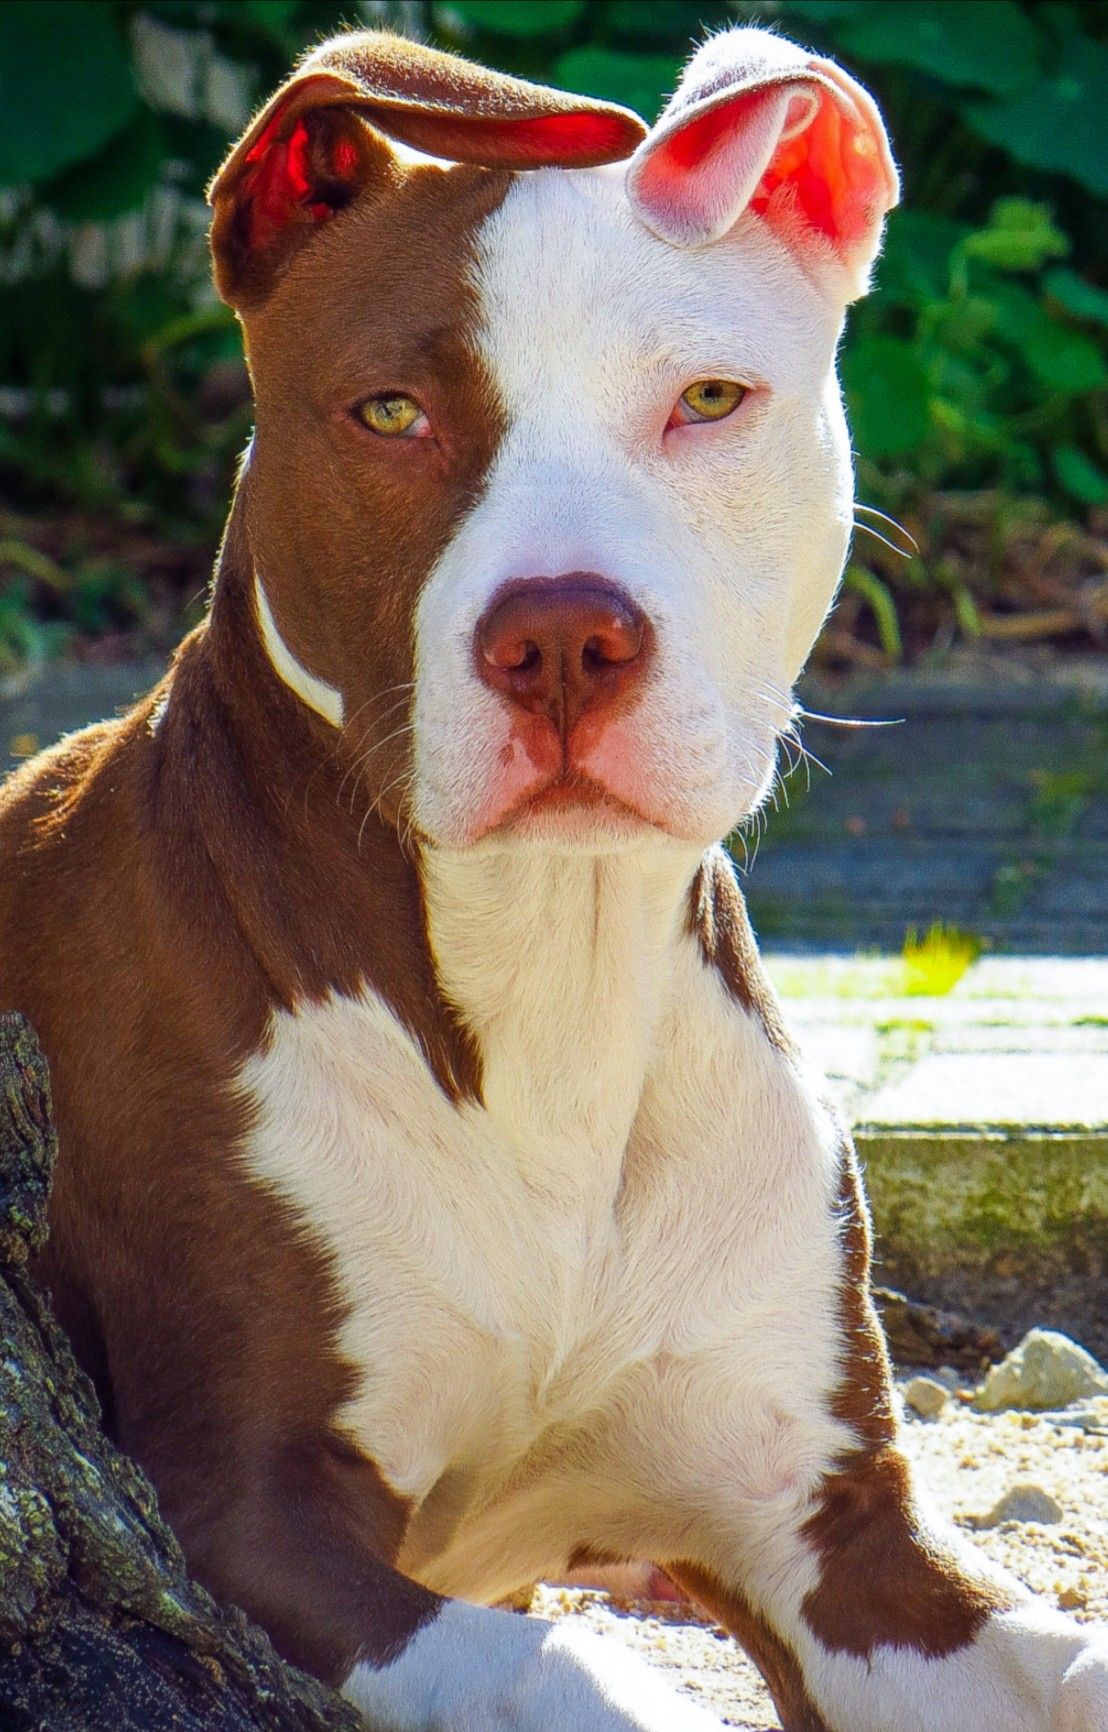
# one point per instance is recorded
(618, 641)
(512, 655)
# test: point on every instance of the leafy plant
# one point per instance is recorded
(935, 961)
(976, 372)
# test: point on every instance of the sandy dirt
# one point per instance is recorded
(967, 1461)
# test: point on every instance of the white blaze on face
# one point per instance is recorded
(729, 536)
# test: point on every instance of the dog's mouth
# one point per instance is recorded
(572, 803)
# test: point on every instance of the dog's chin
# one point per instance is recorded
(579, 815)
(573, 818)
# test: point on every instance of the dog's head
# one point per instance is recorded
(550, 488)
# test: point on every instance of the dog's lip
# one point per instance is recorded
(567, 792)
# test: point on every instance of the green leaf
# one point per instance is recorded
(1063, 359)
(65, 86)
(887, 390)
(1019, 236)
(1080, 476)
(1083, 299)
(520, 18)
(822, 11)
(990, 44)
(915, 264)
(640, 81)
(115, 181)
(668, 21)
(882, 605)
(1061, 122)
(275, 15)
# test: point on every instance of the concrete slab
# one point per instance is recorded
(1083, 979)
(986, 808)
(1047, 1090)
(58, 697)
(1023, 1037)
(845, 1054)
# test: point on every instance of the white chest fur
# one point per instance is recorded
(644, 1175)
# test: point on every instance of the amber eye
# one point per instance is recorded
(708, 400)
(394, 416)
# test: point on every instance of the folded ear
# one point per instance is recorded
(758, 124)
(308, 152)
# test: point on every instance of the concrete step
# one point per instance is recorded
(981, 1116)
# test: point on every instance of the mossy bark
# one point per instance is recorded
(100, 1626)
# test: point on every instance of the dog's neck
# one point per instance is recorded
(561, 965)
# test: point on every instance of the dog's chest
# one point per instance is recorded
(509, 1273)
(480, 1283)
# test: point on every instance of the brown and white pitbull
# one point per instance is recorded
(442, 1201)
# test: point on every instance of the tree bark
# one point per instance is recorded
(100, 1626)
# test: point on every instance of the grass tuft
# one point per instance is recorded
(935, 962)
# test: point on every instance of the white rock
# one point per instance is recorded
(1023, 1503)
(926, 1396)
(1047, 1370)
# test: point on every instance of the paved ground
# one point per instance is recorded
(985, 807)
(980, 1110)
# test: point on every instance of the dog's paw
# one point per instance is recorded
(580, 1681)
(474, 1670)
(1083, 1693)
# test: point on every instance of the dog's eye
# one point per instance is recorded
(707, 400)
(394, 416)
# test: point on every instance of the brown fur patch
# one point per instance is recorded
(885, 1581)
(773, 1657)
(721, 923)
(341, 525)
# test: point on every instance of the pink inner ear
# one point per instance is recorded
(689, 147)
(279, 183)
(825, 168)
(834, 170)
(568, 140)
(562, 138)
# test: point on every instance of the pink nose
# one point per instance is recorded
(561, 645)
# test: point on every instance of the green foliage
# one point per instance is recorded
(935, 961)
(65, 86)
(980, 362)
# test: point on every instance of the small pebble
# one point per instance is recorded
(925, 1396)
(1023, 1503)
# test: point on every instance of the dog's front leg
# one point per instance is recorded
(474, 1669)
(904, 1630)
(864, 1611)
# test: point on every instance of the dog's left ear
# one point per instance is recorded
(310, 151)
(758, 124)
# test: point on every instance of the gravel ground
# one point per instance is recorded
(968, 1461)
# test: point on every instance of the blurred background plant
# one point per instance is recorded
(976, 376)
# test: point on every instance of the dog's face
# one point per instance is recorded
(551, 486)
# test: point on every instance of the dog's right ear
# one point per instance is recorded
(308, 153)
